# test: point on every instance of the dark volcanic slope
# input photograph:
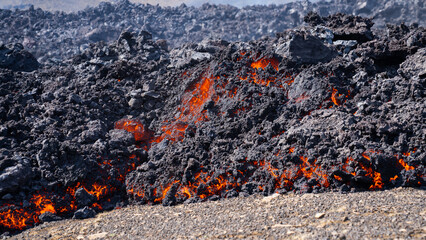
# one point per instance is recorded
(55, 36)
(330, 106)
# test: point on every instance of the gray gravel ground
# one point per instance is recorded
(392, 214)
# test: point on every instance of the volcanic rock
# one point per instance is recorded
(49, 217)
(84, 198)
(119, 137)
(14, 57)
(346, 45)
(344, 27)
(414, 66)
(55, 36)
(304, 48)
(84, 213)
(132, 122)
(15, 172)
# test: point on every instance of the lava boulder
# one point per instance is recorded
(304, 48)
(84, 213)
(14, 57)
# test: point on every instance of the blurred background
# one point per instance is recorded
(76, 5)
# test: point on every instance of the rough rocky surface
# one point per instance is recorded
(133, 122)
(54, 36)
(14, 57)
(391, 214)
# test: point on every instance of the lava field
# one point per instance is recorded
(55, 36)
(328, 106)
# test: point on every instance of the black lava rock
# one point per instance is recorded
(131, 121)
(84, 213)
(14, 57)
(49, 217)
(65, 34)
(84, 198)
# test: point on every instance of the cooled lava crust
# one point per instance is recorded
(55, 36)
(329, 106)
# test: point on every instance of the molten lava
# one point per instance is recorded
(190, 111)
(264, 62)
(283, 179)
(333, 97)
(136, 128)
(43, 204)
(404, 164)
(205, 183)
(19, 217)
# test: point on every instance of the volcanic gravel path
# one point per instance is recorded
(397, 213)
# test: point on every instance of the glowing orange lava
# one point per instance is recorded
(135, 127)
(190, 111)
(264, 62)
(405, 165)
(206, 183)
(333, 97)
(43, 204)
(17, 219)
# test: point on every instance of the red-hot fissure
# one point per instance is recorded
(190, 111)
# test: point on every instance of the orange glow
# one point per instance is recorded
(43, 204)
(279, 134)
(378, 184)
(253, 77)
(97, 206)
(405, 165)
(333, 97)
(233, 92)
(206, 183)
(407, 154)
(164, 191)
(264, 62)
(212, 187)
(135, 127)
(140, 194)
(186, 192)
(98, 190)
(365, 156)
(95, 189)
(191, 110)
(393, 178)
(271, 170)
(376, 176)
(337, 178)
(17, 219)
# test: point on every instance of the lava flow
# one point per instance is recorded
(264, 62)
(209, 121)
(20, 216)
(207, 183)
(284, 179)
(190, 110)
